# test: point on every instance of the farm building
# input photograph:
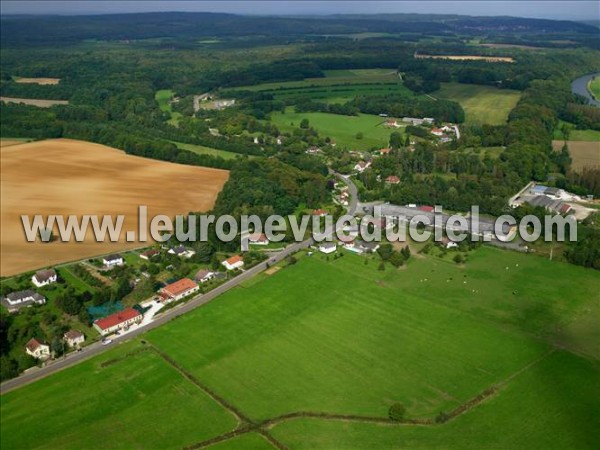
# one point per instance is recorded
(551, 205)
(235, 262)
(16, 300)
(74, 338)
(415, 121)
(118, 321)
(113, 260)
(36, 349)
(44, 277)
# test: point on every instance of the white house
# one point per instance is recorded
(44, 277)
(37, 349)
(182, 252)
(113, 260)
(258, 239)
(118, 321)
(235, 262)
(327, 247)
(361, 166)
(203, 275)
(16, 300)
(74, 338)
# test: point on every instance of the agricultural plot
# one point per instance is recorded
(337, 336)
(34, 102)
(594, 87)
(338, 86)
(40, 81)
(583, 154)
(482, 104)
(202, 150)
(125, 401)
(163, 98)
(75, 177)
(343, 129)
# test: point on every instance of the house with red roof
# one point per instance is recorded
(178, 290)
(36, 349)
(235, 262)
(426, 208)
(384, 151)
(118, 321)
(258, 239)
(437, 131)
(319, 212)
(392, 179)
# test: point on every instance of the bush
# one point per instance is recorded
(458, 258)
(442, 417)
(397, 411)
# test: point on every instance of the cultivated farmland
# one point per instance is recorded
(34, 102)
(482, 104)
(336, 342)
(41, 81)
(583, 154)
(73, 177)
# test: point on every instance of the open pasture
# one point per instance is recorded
(113, 401)
(338, 336)
(64, 177)
(482, 104)
(343, 129)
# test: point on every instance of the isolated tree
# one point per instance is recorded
(359, 135)
(458, 258)
(397, 411)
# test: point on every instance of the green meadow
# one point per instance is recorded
(163, 98)
(594, 86)
(482, 104)
(343, 129)
(202, 150)
(339, 336)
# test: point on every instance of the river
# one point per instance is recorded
(579, 86)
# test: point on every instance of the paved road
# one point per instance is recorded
(97, 348)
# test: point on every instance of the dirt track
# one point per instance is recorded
(74, 177)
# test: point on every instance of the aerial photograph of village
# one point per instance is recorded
(311, 225)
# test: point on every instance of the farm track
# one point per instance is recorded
(246, 425)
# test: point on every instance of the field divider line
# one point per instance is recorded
(243, 420)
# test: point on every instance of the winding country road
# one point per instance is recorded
(97, 347)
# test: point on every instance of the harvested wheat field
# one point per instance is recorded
(62, 176)
(583, 153)
(42, 81)
(10, 142)
(40, 103)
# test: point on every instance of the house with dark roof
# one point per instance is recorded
(113, 260)
(21, 299)
(328, 247)
(44, 277)
(203, 275)
(182, 252)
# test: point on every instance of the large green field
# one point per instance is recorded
(202, 150)
(163, 98)
(594, 86)
(482, 104)
(343, 129)
(338, 336)
(338, 86)
(131, 403)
